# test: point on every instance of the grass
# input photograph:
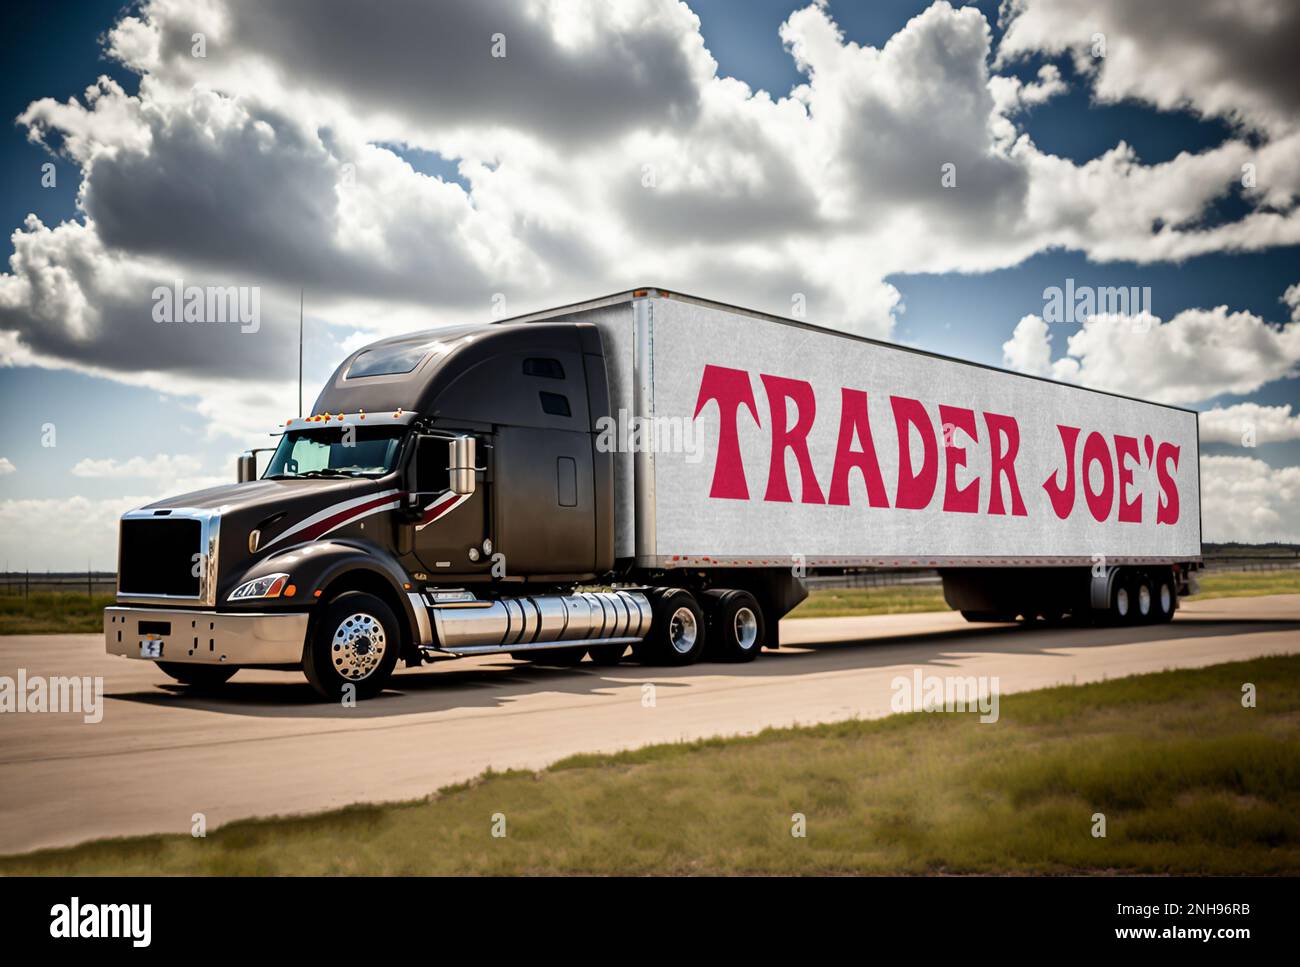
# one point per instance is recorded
(62, 612)
(52, 612)
(890, 599)
(898, 599)
(1190, 782)
(1242, 584)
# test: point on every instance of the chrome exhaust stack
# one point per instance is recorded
(472, 627)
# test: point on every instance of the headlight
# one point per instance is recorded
(265, 587)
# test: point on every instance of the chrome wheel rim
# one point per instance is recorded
(745, 626)
(358, 646)
(1166, 599)
(1121, 602)
(1144, 600)
(683, 630)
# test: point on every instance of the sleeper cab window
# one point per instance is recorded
(543, 367)
(555, 404)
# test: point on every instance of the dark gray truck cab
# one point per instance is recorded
(447, 496)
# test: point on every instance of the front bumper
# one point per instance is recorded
(205, 637)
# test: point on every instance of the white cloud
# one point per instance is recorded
(1029, 350)
(1232, 60)
(1247, 424)
(6, 466)
(1244, 499)
(162, 474)
(161, 465)
(260, 165)
(57, 534)
(1012, 94)
(1196, 355)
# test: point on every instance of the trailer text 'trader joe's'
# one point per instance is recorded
(656, 472)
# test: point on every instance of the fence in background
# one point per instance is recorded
(24, 583)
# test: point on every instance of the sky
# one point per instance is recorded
(412, 165)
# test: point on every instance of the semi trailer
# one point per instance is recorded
(650, 475)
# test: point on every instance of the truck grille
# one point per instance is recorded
(156, 556)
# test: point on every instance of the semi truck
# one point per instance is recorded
(650, 476)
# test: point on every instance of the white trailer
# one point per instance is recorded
(746, 440)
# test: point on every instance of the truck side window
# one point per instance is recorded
(547, 368)
(555, 404)
(431, 474)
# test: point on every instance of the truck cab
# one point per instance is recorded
(446, 496)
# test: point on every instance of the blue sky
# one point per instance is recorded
(965, 313)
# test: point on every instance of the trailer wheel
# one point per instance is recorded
(1165, 598)
(354, 642)
(1143, 599)
(1122, 600)
(737, 629)
(197, 676)
(677, 629)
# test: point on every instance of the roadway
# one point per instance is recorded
(264, 746)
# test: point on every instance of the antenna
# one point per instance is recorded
(300, 301)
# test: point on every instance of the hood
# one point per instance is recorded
(286, 513)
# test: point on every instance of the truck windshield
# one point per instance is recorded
(336, 451)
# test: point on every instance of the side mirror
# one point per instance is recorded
(461, 466)
(246, 467)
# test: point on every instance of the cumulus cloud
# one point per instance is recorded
(39, 533)
(1011, 94)
(1196, 355)
(161, 465)
(1247, 424)
(1244, 499)
(605, 150)
(6, 466)
(1225, 60)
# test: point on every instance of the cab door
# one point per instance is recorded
(450, 529)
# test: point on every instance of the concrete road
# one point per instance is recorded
(265, 746)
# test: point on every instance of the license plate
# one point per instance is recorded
(150, 648)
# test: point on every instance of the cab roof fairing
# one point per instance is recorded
(451, 351)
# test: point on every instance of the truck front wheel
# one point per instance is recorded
(354, 642)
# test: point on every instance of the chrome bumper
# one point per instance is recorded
(206, 637)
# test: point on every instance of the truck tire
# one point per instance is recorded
(1143, 599)
(1165, 597)
(677, 629)
(1122, 594)
(354, 641)
(197, 676)
(737, 628)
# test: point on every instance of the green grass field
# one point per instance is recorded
(1189, 782)
(897, 599)
(1243, 584)
(52, 612)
